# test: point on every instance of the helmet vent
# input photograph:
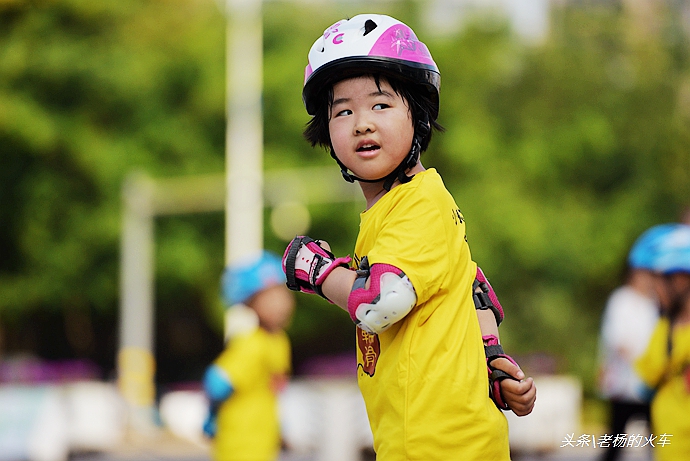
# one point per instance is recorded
(369, 25)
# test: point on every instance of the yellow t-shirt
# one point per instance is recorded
(424, 380)
(257, 364)
(670, 409)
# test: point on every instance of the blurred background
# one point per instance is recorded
(567, 136)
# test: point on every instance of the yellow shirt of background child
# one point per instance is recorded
(248, 423)
(671, 403)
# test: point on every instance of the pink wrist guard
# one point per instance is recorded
(306, 265)
(492, 351)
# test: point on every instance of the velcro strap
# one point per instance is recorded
(499, 375)
(360, 282)
(484, 296)
(481, 298)
(363, 273)
(493, 352)
(317, 263)
(290, 264)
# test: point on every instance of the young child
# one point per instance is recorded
(243, 382)
(372, 90)
(665, 366)
(630, 315)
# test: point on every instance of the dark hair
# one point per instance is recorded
(416, 97)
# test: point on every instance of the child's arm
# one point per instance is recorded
(310, 267)
(508, 387)
(338, 285)
(507, 384)
(218, 389)
(375, 296)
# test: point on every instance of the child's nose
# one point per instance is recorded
(363, 125)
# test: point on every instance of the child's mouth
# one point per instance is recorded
(368, 148)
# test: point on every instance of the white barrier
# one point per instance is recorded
(556, 414)
(47, 423)
(183, 413)
(96, 416)
(326, 417)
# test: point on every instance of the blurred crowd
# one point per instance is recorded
(645, 344)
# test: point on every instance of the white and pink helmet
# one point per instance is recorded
(369, 43)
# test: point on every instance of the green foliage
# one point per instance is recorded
(558, 153)
(90, 91)
(564, 153)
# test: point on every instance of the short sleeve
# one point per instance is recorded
(412, 239)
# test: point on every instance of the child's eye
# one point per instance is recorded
(380, 106)
(344, 112)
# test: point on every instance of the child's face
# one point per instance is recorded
(370, 126)
(274, 307)
(671, 289)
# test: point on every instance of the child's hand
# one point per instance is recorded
(210, 426)
(307, 263)
(519, 393)
(508, 387)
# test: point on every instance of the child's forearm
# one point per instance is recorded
(487, 323)
(338, 285)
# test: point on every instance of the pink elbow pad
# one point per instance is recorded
(486, 298)
(389, 298)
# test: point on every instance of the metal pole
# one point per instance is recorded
(136, 362)
(244, 134)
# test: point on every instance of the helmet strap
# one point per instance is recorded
(400, 173)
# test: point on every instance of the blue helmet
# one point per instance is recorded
(643, 253)
(242, 281)
(673, 252)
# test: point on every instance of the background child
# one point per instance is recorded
(243, 382)
(372, 89)
(665, 366)
(629, 318)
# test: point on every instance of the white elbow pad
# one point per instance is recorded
(389, 298)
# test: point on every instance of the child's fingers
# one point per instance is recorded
(517, 388)
(509, 367)
(324, 244)
(520, 395)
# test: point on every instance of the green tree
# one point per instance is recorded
(90, 91)
(558, 153)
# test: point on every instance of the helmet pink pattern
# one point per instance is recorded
(368, 42)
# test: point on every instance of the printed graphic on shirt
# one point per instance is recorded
(370, 347)
(457, 216)
(356, 261)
